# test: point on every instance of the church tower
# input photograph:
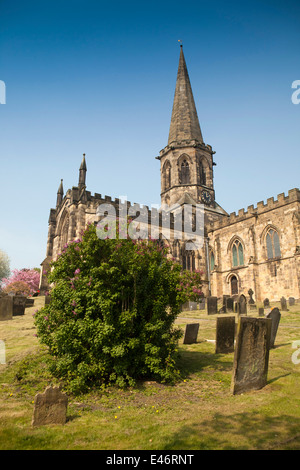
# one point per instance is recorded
(187, 162)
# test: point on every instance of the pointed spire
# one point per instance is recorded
(60, 194)
(184, 122)
(82, 173)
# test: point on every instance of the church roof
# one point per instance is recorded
(184, 121)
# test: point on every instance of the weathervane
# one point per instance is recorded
(180, 41)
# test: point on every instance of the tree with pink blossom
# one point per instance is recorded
(30, 277)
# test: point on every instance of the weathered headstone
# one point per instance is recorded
(191, 333)
(275, 316)
(283, 304)
(266, 303)
(242, 305)
(212, 305)
(251, 355)
(225, 330)
(29, 303)
(251, 301)
(6, 308)
(50, 407)
(291, 301)
(229, 304)
(261, 312)
(19, 302)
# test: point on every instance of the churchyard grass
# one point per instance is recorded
(199, 412)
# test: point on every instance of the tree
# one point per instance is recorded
(4, 266)
(112, 311)
(30, 277)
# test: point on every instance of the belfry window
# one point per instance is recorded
(201, 174)
(237, 253)
(273, 245)
(167, 176)
(185, 173)
(212, 260)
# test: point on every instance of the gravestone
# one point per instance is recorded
(19, 303)
(50, 407)
(275, 316)
(229, 304)
(261, 312)
(29, 303)
(283, 304)
(251, 354)
(225, 330)
(292, 301)
(242, 305)
(191, 333)
(212, 305)
(266, 303)
(6, 307)
(251, 301)
(201, 304)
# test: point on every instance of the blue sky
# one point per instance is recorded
(98, 77)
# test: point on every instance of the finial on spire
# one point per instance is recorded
(180, 41)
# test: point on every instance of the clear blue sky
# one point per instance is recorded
(98, 77)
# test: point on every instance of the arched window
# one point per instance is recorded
(234, 285)
(201, 174)
(167, 175)
(184, 173)
(273, 245)
(237, 253)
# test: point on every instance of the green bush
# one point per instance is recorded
(112, 311)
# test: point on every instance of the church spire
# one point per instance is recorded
(184, 122)
(82, 173)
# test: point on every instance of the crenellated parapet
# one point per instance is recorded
(261, 207)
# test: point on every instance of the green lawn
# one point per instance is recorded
(197, 413)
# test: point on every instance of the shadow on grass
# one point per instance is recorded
(241, 431)
(191, 362)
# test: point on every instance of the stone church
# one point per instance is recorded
(257, 248)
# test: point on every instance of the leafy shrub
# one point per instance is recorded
(112, 311)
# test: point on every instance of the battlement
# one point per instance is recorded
(261, 207)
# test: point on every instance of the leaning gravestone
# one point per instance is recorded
(275, 316)
(19, 302)
(283, 304)
(212, 305)
(50, 407)
(251, 355)
(225, 330)
(191, 333)
(6, 308)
